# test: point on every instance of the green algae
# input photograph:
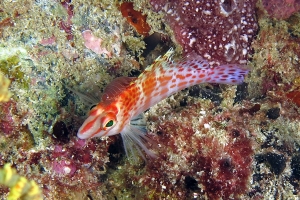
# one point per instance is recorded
(35, 94)
(294, 25)
(11, 64)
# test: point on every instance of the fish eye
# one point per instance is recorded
(110, 123)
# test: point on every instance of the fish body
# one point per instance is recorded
(125, 98)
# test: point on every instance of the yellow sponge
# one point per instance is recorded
(4, 93)
(20, 187)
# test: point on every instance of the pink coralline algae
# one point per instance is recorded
(64, 167)
(221, 31)
(281, 9)
(93, 43)
(48, 41)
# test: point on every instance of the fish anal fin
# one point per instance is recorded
(115, 87)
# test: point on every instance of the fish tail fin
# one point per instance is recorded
(227, 74)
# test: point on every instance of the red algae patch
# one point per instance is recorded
(294, 96)
(193, 164)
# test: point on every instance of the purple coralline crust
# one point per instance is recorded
(219, 31)
(281, 9)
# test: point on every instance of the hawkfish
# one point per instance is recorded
(120, 110)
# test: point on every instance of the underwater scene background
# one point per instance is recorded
(212, 141)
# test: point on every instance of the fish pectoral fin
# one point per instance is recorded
(139, 122)
(135, 139)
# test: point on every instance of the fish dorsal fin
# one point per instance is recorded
(114, 88)
(166, 59)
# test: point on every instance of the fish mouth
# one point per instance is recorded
(82, 136)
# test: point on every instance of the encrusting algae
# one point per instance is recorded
(20, 187)
(4, 84)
